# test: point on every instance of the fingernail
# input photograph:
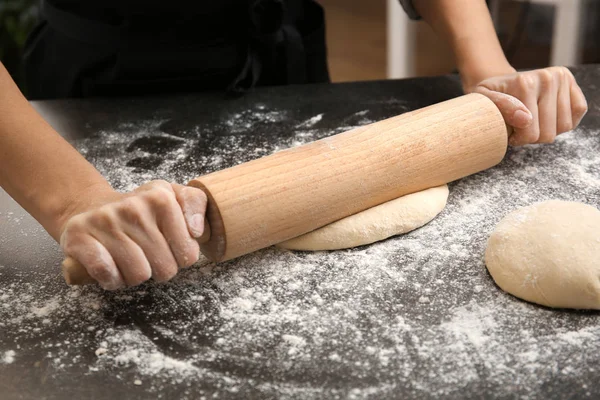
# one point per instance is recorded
(196, 223)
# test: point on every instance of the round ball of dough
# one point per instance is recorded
(549, 253)
(377, 223)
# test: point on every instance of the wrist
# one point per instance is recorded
(91, 196)
(472, 74)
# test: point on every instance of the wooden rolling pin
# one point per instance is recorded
(287, 194)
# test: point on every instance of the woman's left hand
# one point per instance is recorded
(538, 105)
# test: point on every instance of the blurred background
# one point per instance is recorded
(373, 39)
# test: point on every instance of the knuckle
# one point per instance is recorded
(161, 184)
(103, 219)
(161, 198)
(130, 204)
(526, 82)
(559, 72)
(566, 72)
(76, 224)
(73, 230)
(546, 77)
(131, 211)
(581, 109)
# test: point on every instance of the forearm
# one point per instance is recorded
(38, 168)
(467, 27)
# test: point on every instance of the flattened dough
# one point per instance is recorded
(548, 253)
(377, 223)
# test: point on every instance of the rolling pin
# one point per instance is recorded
(287, 194)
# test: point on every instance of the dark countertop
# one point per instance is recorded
(416, 316)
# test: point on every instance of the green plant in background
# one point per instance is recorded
(17, 19)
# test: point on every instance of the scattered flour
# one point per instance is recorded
(416, 315)
(9, 357)
(311, 122)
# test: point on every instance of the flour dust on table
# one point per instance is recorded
(416, 314)
(136, 153)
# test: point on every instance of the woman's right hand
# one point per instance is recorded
(130, 238)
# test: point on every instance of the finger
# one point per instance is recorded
(514, 112)
(531, 133)
(154, 185)
(579, 106)
(96, 259)
(564, 116)
(140, 226)
(162, 261)
(193, 203)
(172, 224)
(107, 227)
(128, 256)
(547, 107)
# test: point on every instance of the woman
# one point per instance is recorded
(133, 46)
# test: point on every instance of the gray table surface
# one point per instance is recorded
(416, 316)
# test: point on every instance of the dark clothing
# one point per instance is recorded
(89, 48)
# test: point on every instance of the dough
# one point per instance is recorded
(377, 223)
(548, 253)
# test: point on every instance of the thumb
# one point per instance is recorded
(512, 109)
(193, 204)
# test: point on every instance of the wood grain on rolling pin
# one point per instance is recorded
(284, 195)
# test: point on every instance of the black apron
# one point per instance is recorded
(231, 45)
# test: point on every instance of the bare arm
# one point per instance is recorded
(121, 238)
(538, 104)
(38, 168)
(467, 27)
